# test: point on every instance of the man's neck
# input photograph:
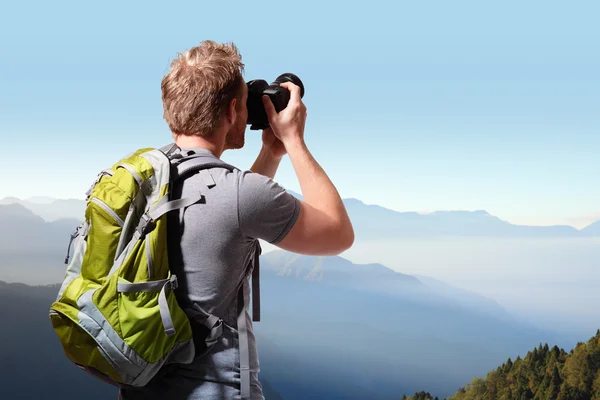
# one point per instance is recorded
(215, 147)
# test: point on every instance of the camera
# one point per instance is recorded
(280, 96)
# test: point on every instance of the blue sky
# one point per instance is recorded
(415, 106)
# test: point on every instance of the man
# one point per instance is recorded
(204, 97)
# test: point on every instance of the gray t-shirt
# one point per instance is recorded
(208, 250)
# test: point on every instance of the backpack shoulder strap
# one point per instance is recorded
(242, 321)
(184, 163)
(187, 161)
(199, 163)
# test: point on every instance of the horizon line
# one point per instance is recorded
(51, 199)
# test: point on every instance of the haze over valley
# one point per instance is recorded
(399, 309)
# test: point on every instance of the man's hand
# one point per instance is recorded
(287, 125)
(272, 144)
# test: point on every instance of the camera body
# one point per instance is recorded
(280, 96)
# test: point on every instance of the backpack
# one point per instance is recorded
(116, 314)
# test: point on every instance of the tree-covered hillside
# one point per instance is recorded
(420, 396)
(544, 374)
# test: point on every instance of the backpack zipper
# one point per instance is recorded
(109, 210)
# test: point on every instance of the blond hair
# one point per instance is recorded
(199, 87)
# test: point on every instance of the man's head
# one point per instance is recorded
(204, 94)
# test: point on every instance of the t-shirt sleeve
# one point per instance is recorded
(265, 209)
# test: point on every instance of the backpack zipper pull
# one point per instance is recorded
(73, 236)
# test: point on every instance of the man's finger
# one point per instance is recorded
(294, 91)
(269, 107)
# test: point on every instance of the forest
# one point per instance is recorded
(544, 374)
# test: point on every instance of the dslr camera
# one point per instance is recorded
(280, 96)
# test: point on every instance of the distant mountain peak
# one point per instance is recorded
(457, 212)
(592, 229)
(330, 268)
(10, 200)
(17, 209)
(49, 208)
(353, 200)
(356, 204)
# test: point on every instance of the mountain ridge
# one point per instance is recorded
(337, 271)
(371, 221)
(418, 331)
(441, 223)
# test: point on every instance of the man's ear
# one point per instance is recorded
(231, 111)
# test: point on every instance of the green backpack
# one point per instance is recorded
(116, 315)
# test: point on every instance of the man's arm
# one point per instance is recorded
(266, 163)
(323, 226)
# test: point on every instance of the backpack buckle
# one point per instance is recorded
(146, 225)
(173, 281)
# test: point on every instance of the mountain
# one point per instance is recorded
(375, 222)
(335, 274)
(372, 222)
(341, 333)
(338, 271)
(50, 209)
(32, 361)
(22, 229)
(375, 278)
(10, 200)
(329, 328)
(269, 392)
(543, 373)
(592, 229)
(465, 298)
(313, 343)
(336, 323)
(17, 213)
(31, 249)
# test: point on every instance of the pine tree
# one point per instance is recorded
(532, 356)
(596, 387)
(556, 352)
(508, 365)
(555, 384)
(587, 375)
(540, 394)
(422, 396)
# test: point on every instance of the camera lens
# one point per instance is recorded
(289, 77)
